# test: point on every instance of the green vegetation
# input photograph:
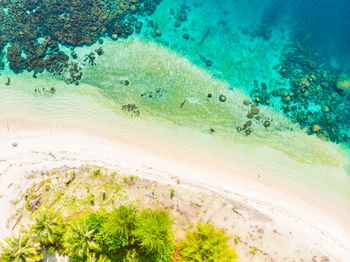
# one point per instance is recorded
(94, 258)
(206, 244)
(172, 193)
(92, 219)
(153, 234)
(116, 232)
(79, 240)
(97, 172)
(19, 249)
(47, 228)
(125, 234)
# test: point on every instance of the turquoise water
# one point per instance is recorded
(261, 48)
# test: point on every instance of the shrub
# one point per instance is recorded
(51, 250)
(19, 249)
(95, 221)
(206, 244)
(172, 193)
(154, 235)
(47, 228)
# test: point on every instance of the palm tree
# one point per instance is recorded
(91, 257)
(79, 240)
(207, 244)
(48, 227)
(153, 233)
(19, 249)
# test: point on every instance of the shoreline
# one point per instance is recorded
(40, 150)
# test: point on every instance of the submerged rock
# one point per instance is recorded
(132, 109)
(325, 109)
(343, 83)
(255, 110)
(222, 98)
(247, 132)
(267, 123)
(208, 63)
(316, 128)
(186, 36)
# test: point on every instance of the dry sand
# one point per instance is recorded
(290, 228)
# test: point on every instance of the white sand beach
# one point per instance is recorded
(303, 230)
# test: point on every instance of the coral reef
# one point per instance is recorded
(315, 98)
(343, 83)
(35, 28)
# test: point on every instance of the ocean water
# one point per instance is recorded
(276, 45)
(264, 84)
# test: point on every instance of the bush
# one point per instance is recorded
(154, 236)
(206, 244)
(95, 221)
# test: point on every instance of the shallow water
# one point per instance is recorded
(167, 88)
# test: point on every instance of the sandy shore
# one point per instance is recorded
(301, 227)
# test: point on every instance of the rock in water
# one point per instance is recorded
(343, 83)
(316, 128)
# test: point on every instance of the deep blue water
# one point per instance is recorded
(327, 23)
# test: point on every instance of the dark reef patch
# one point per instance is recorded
(318, 90)
(33, 29)
(314, 98)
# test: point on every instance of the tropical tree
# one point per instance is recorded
(154, 235)
(206, 244)
(19, 249)
(79, 240)
(47, 227)
(92, 257)
(116, 233)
